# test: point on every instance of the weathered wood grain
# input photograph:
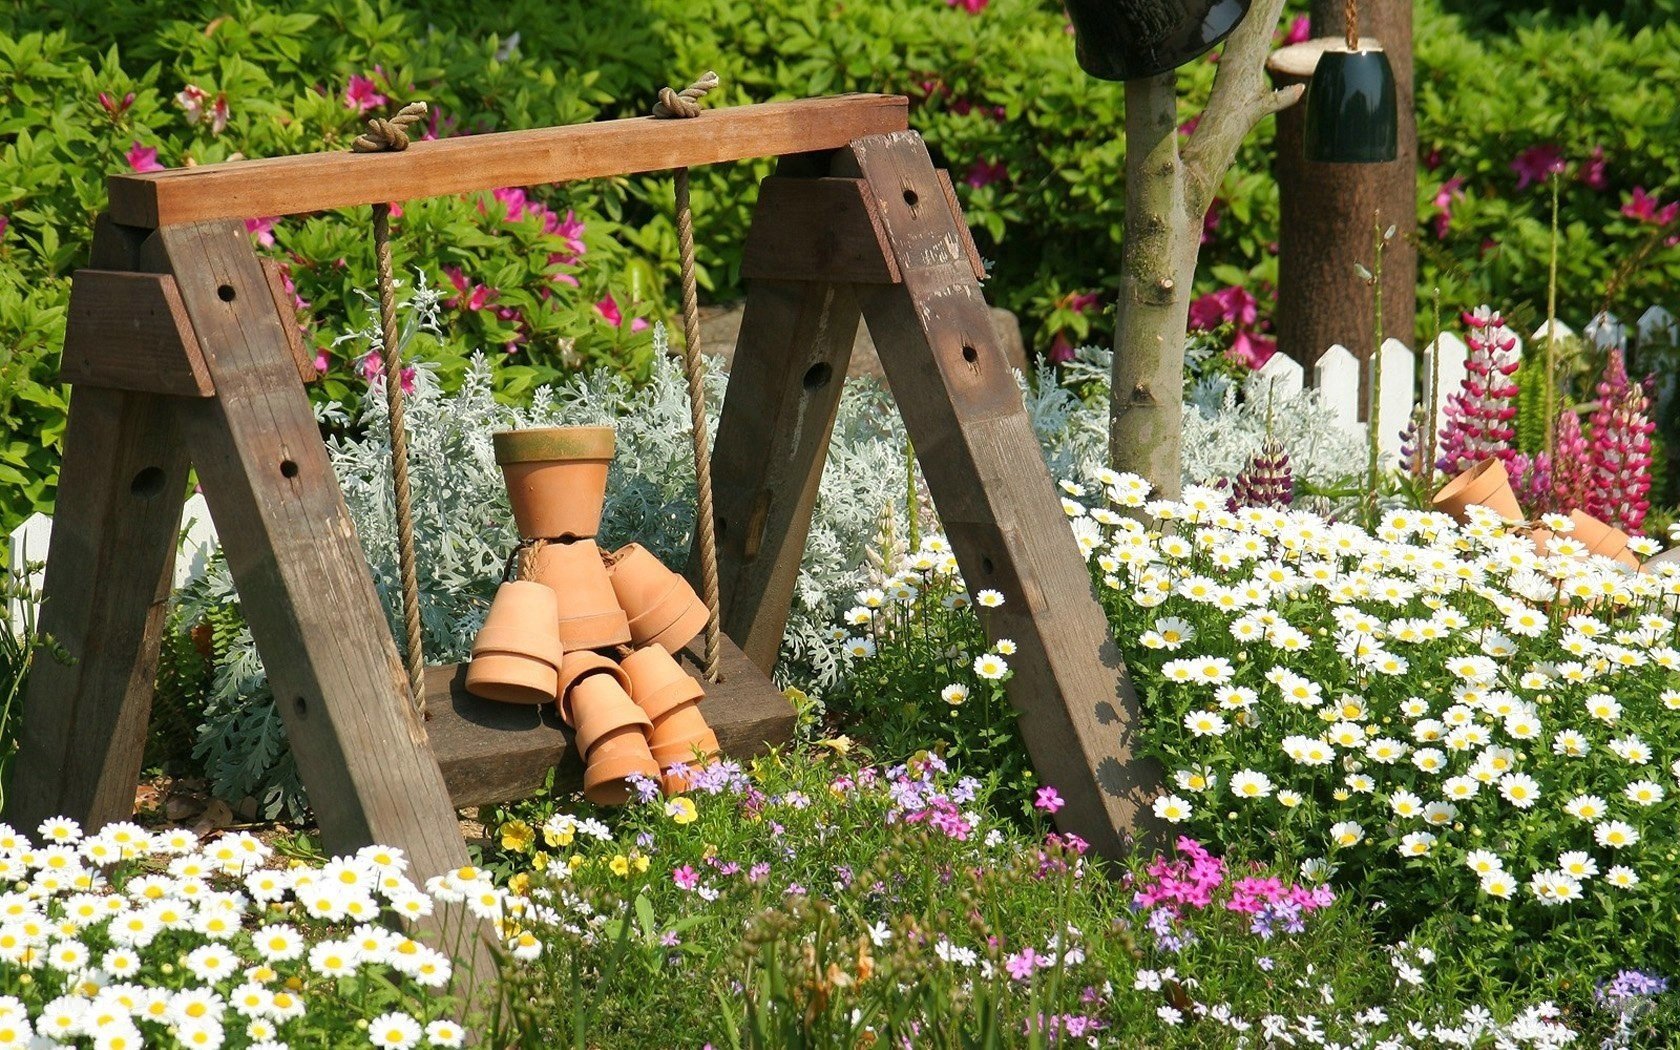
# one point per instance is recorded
(109, 569)
(129, 331)
(491, 752)
(304, 586)
(817, 230)
(996, 501)
(250, 189)
(772, 438)
(288, 312)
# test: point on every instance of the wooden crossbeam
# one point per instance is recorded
(249, 189)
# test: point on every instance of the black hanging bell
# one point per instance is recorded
(1352, 109)
(1131, 39)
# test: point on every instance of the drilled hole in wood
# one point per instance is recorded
(911, 198)
(148, 484)
(970, 354)
(986, 566)
(225, 293)
(301, 706)
(818, 375)
(288, 469)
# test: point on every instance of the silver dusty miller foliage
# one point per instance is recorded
(464, 531)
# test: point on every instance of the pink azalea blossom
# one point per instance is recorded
(608, 309)
(1189, 126)
(1300, 31)
(1593, 173)
(362, 95)
(1645, 207)
(1210, 221)
(1451, 191)
(112, 106)
(1536, 164)
(5, 222)
(984, 173)
(1061, 349)
(1432, 159)
(1230, 305)
(193, 100)
(143, 158)
(1251, 349)
(321, 363)
(262, 230)
(372, 368)
(470, 295)
(973, 7)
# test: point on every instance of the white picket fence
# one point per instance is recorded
(1336, 376)
(1407, 381)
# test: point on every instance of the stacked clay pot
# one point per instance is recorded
(631, 721)
(1488, 485)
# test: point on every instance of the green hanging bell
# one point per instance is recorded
(1352, 109)
(1132, 39)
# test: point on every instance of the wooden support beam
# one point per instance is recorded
(303, 582)
(129, 331)
(492, 752)
(288, 312)
(109, 571)
(250, 189)
(996, 500)
(817, 230)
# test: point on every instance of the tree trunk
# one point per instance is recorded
(1328, 212)
(1158, 263)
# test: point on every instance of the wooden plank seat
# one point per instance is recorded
(491, 752)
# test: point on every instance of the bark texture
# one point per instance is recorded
(1167, 194)
(1328, 211)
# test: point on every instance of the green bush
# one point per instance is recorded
(1033, 145)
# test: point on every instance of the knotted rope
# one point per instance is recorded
(391, 136)
(679, 105)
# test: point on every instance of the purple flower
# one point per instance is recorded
(647, 789)
(1048, 800)
(984, 173)
(758, 872)
(1536, 164)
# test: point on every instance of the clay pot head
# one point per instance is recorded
(662, 607)
(1486, 484)
(556, 478)
(578, 667)
(611, 735)
(589, 614)
(517, 654)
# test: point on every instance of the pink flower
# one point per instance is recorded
(1480, 416)
(685, 877)
(1022, 964)
(1300, 31)
(1646, 207)
(143, 158)
(1452, 190)
(372, 368)
(1432, 160)
(1210, 221)
(262, 230)
(471, 295)
(191, 99)
(1189, 126)
(1049, 800)
(608, 309)
(1251, 349)
(1230, 305)
(1620, 449)
(1571, 465)
(362, 95)
(1083, 301)
(5, 221)
(114, 108)
(1592, 173)
(984, 173)
(1061, 349)
(1536, 164)
(973, 7)
(321, 362)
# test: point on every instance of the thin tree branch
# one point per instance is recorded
(1240, 99)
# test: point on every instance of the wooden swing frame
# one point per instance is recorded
(184, 353)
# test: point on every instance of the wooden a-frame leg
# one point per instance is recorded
(772, 438)
(303, 582)
(1078, 713)
(120, 490)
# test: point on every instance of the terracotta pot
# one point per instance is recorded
(577, 667)
(1486, 484)
(589, 616)
(556, 478)
(516, 656)
(671, 698)
(1604, 539)
(662, 607)
(612, 737)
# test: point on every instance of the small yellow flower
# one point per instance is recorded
(840, 745)
(520, 883)
(517, 836)
(641, 864)
(681, 810)
(539, 861)
(619, 865)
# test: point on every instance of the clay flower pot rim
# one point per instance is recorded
(553, 443)
(1469, 477)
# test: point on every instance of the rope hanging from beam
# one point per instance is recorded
(391, 136)
(685, 104)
